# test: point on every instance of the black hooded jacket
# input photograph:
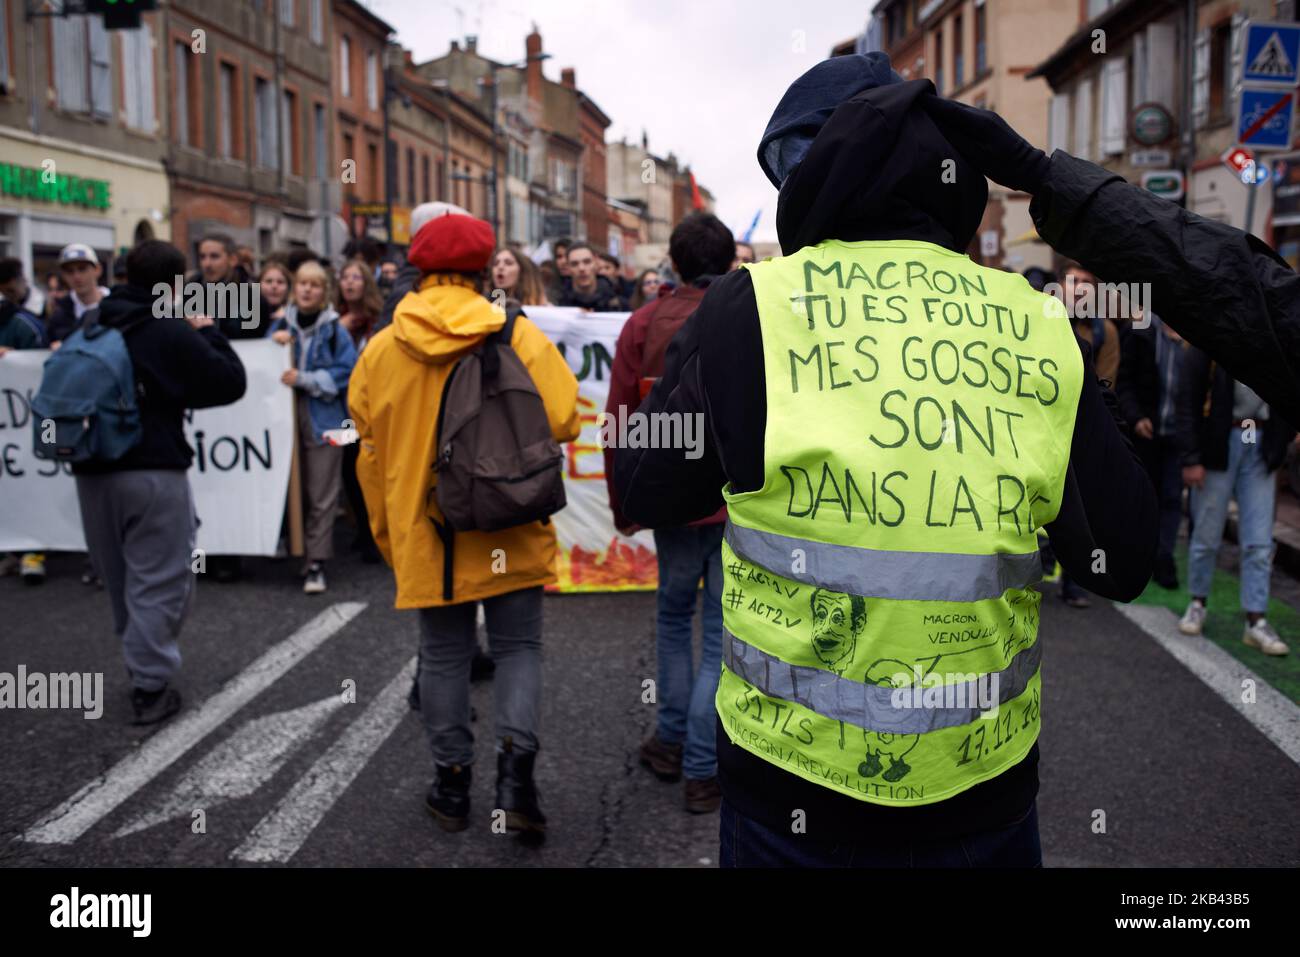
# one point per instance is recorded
(175, 369)
(872, 173)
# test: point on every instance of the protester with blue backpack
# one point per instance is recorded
(323, 357)
(112, 403)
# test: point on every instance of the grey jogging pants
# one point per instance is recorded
(140, 529)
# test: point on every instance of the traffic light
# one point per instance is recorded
(120, 14)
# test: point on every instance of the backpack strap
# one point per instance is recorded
(500, 338)
(446, 535)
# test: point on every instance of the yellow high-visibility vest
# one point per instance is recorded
(881, 631)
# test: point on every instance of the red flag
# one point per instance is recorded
(697, 201)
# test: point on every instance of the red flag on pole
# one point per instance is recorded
(697, 201)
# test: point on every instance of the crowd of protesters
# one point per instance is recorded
(1193, 425)
(1199, 433)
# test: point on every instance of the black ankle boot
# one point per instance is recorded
(448, 798)
(516, 792)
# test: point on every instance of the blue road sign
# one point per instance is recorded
(1264, 118)
(1272, 53)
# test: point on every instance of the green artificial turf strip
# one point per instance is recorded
(1224, 623)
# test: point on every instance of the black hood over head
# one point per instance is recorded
(808, 104)
(877, 170)
(126, 304)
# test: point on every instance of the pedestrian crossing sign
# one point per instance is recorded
(1272, 53)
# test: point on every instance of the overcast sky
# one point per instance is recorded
(701, 76)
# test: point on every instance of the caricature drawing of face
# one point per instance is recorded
(837, 620)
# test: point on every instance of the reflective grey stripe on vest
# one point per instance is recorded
(871, 706)
(878, 573)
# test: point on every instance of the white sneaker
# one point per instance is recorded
(315, 583)
(1193, 619)
(1262, 636)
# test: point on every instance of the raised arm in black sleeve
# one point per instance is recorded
(1224, 290)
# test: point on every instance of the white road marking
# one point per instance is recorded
(239, 765)
(1272, 713)
(99, 797)
(280, 834)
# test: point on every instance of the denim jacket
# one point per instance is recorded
(324, 370)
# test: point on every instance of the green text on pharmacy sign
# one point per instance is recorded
(25, 182)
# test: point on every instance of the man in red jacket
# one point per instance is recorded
(701, 248)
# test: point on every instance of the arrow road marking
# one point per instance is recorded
(279, 835)
(99, 797)
(241, 764)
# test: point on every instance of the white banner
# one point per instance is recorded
(240, 474)
(594, 556)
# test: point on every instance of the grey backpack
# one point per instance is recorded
(497, 464)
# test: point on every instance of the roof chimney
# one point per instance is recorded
(568, 78)
(533, 47)
(455, 46)
(471, 43)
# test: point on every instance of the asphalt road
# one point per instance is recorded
(277, 768)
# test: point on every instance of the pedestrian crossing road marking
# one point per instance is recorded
(279, 835)
(99, 797)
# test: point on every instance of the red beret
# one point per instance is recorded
(452, 243)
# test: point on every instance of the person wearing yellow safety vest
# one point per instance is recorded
(889, 424)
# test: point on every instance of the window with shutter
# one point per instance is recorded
(4, 48)
(101, 69)
(286, 12)
(1201, 78)
(226, 110)
(1114, 108)
(345, 67)
(1236, 52)
(1139, 70)
(372, 80)
(181, 72)
(264, 119)
(316, 21)
(1083, 119)
(138, 79)
(1058, 122)
(320, 129)
(69, 40)
(286, 131)
(1163, 83)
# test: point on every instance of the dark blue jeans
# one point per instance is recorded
(747, 843)
(686, 693)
